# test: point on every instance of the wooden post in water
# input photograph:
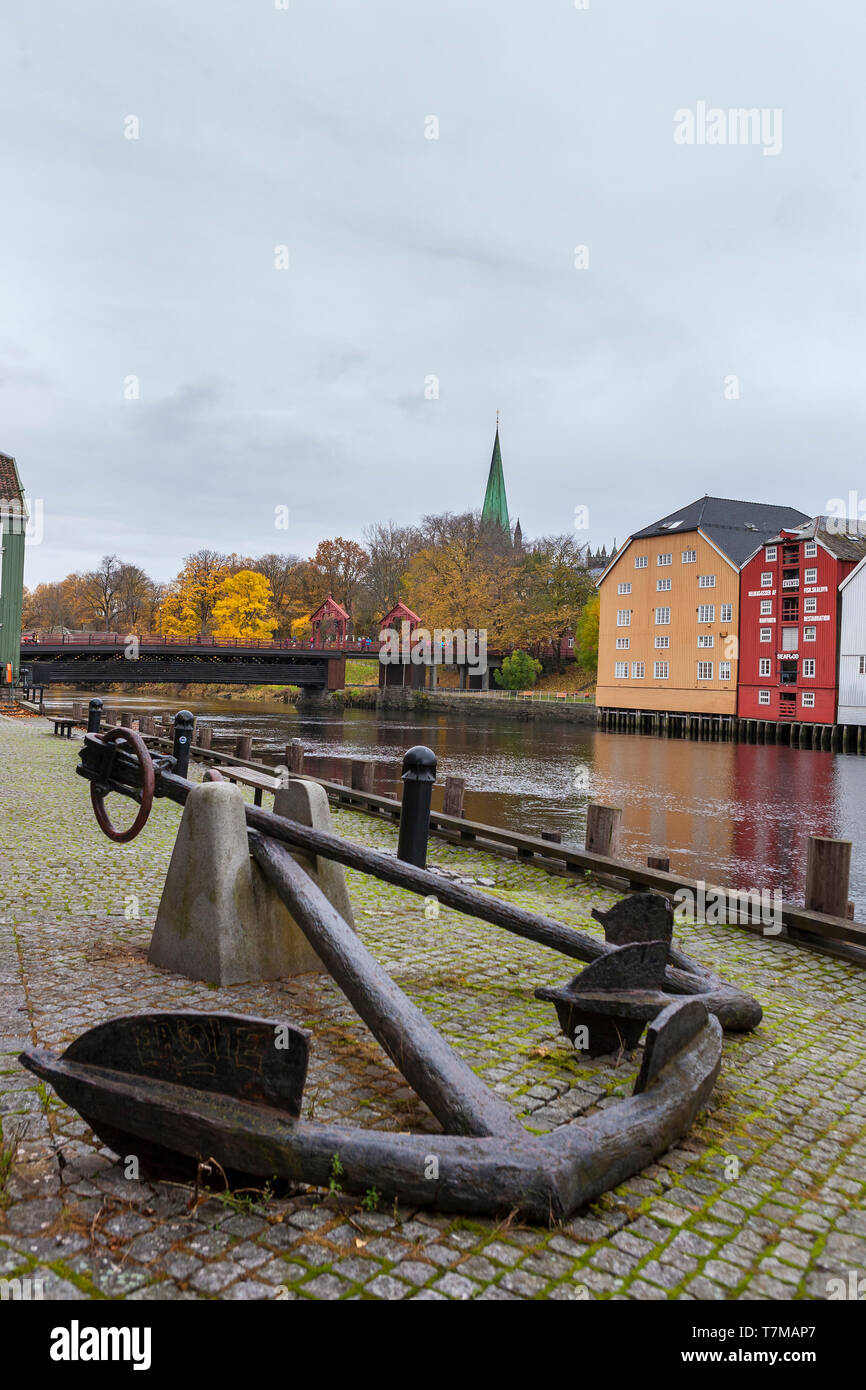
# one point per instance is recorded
(452, 802)
(126, 720)
(295, 757)
(244, 747)
(205, 735)
(363, 772)
(828, 868)
(603, 825)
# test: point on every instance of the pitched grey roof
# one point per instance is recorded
(737, 528)
(843, 538)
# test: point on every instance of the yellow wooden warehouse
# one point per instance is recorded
(669, 608)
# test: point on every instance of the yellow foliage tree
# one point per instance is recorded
(177, 617)
(242, 607)
(301, 627)
(188, 607)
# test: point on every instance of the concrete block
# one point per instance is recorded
(218, 919)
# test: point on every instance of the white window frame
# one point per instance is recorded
(807, 699)
(708, 609)
(770, 552)
(726, 613)
(638, 670)
(766, 579)
(808, 662)
(663, 621)
(663, 585)
(690, 557)
(810, 576)
(622, 644)
(724, 670)
(810, 605)
(763, 697)
(765, 667)
(663, 643)
(706, 639)
(623, 617)
(665, 559)
(706, 581)
(810, 550)
(660, 670)
(766, 607)
(641, 562)
(620, 670)
(624, 588)
(810, 633)
(766, 634)
(705, 670)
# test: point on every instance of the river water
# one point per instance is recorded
(736, 814)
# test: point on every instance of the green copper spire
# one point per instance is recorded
(495, 502)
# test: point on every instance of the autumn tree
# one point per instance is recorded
(100, 592)
(135, 596)
(341, 565)
(188, 605)
(550, 590)
(242, 607)
(54, 606)
(294, 587)
(586, 635)
(390, 551)
(458, 579)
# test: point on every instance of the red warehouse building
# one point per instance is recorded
(789, 622)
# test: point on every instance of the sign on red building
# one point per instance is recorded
(789, 622)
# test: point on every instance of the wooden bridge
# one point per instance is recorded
(73, 658)
(66, 658)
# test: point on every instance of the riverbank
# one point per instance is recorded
(372, 698)
(760, 1200)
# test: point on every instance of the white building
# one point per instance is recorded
(852, 647)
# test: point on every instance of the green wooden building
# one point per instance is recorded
(13, 519)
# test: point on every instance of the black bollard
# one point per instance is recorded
(94, 716)
(419, 774)
(183, 726)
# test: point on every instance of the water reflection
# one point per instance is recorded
(736, 814)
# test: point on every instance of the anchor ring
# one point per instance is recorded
(148, 784)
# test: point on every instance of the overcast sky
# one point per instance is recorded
(413, 258)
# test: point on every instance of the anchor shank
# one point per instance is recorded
(449, 1087)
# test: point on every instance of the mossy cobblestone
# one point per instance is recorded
(762, 1199)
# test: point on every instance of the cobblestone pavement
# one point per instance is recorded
(762, 1200)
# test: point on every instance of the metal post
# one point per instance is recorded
(183, 727)
(419, 774)
(94, 716)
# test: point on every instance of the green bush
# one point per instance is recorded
(519, 671)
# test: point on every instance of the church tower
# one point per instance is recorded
(495, 507)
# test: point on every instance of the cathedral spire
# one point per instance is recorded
(495, 502)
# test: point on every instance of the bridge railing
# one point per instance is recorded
(113, 640)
